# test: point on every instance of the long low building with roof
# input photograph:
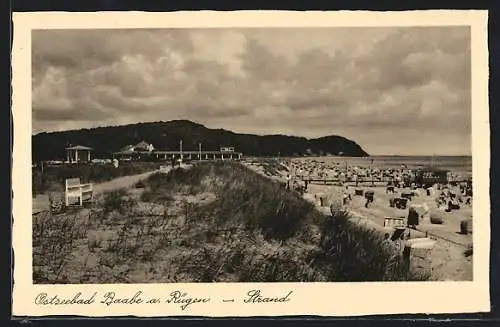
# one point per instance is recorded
(145, 150)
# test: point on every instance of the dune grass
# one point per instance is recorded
(272, 167)
(218, 222)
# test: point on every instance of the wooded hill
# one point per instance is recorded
(166, 136)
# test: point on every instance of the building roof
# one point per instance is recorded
(79, 147)
(129, 151)
(142, 145)
(127, 148)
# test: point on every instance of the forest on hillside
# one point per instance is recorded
(167, 135)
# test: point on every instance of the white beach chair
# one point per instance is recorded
(394, 222)
(76, 190)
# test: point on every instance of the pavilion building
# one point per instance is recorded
(78, 154)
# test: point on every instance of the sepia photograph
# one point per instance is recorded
(253, 154)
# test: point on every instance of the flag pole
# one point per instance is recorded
(181, 149)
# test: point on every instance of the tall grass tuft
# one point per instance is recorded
(243, 197)
(54, 239)
(118, 201)
(352, 252)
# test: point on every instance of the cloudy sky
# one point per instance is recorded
(392, 90)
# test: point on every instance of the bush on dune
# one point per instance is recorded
(118, 201)
(263, 205)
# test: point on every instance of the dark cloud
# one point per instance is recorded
(307, 82)
(82, 111)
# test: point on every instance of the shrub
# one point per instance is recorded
(140, 184)
(118, 201)
(156, 197)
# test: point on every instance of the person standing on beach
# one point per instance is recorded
(426, 213)
(345, 196)
(369, 195)
(390, 187)
(413, 217)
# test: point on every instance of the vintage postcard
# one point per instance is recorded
(250, 163)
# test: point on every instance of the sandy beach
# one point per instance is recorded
(448, 255)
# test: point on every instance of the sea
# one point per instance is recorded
(457, 164)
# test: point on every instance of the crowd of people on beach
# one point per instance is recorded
(449, 195)
(314, 169)
(452, 199)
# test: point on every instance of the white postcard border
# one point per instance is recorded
(321, 299)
